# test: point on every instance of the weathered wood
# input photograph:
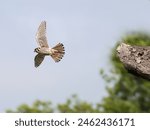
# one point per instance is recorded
(136, 59)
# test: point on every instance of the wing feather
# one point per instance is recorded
(41, 35)
(38, 59)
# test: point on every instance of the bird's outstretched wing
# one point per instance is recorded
(41, 35)
(38, 59)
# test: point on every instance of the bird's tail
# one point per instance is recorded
(58, 52)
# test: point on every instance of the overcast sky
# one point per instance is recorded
(87, 28)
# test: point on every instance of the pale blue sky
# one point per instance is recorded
(87, 28)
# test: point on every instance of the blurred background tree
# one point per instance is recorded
(72, 105)
(126, 92)
(37, 107)
(129, 93)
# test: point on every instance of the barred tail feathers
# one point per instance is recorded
(59, 52)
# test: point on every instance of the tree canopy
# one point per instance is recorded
(129, 93)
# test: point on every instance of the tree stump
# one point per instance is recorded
(136, 59)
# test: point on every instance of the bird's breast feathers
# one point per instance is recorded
(45, 51)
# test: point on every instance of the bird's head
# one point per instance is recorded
(37, 49)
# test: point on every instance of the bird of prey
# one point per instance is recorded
(56, 52)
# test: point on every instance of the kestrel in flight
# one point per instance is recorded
(57, 52)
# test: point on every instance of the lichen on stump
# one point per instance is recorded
(136, 59)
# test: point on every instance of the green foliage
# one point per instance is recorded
(75, 105)
(130, 93)
(37, 107)
(72, 105)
